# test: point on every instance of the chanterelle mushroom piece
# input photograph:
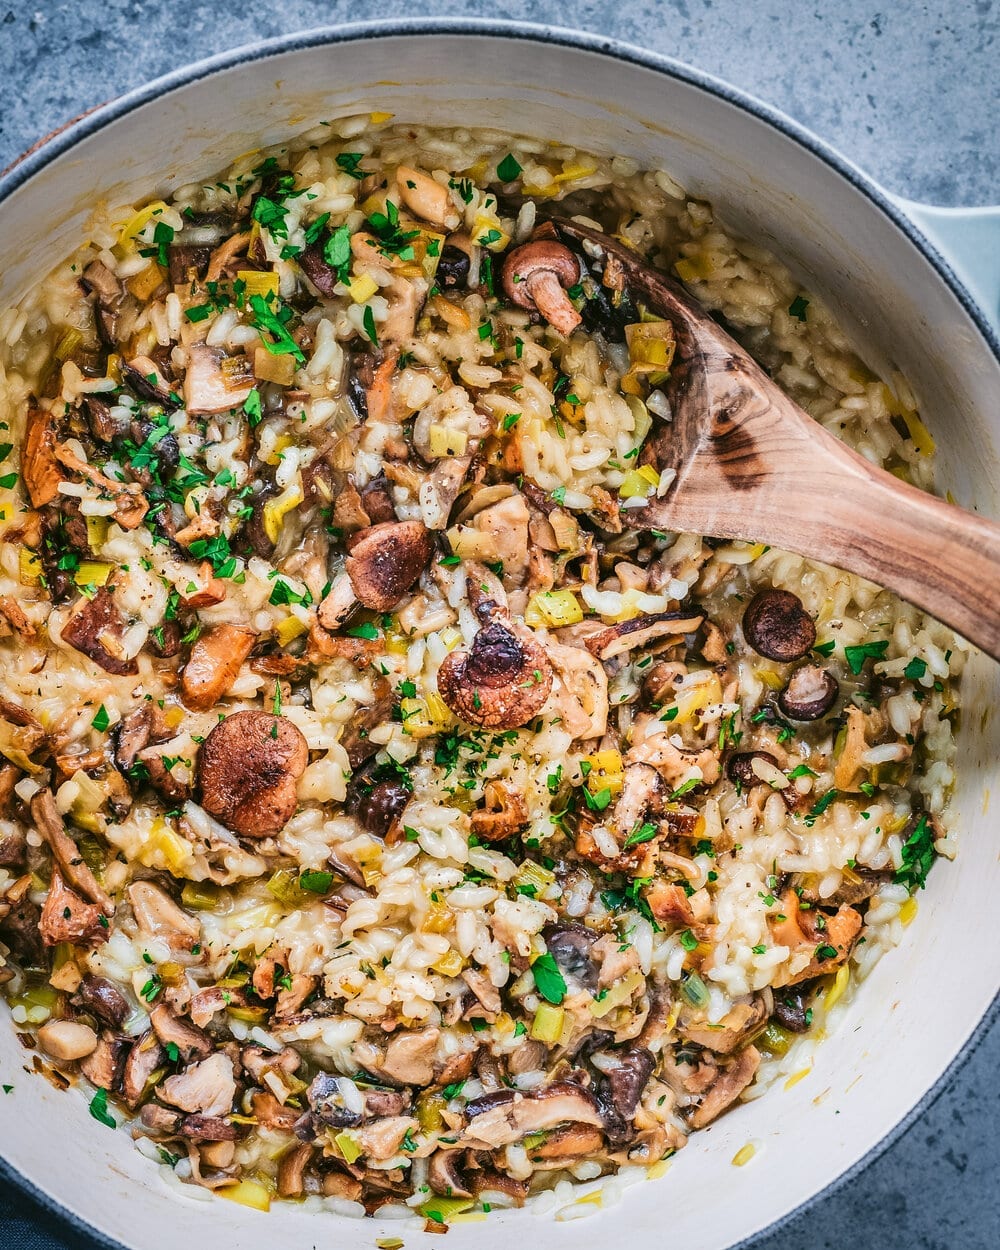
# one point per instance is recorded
(501, 682)
(39, 467)
(248, 767)
(214, 663)
(386, 560)
(537, 275)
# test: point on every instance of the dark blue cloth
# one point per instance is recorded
(24, 1225)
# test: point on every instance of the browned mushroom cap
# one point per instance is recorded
(740, 768)
(810, 693)
(386, 560)
(777, 626)
(248, 767)
(537, 275)
(501, 683)
(214, 664)
(640, 631)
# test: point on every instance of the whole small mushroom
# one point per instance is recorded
(537, 276)
(501, 682)
(777, 626)
(385, 560)
(810, 693)
(248, 767)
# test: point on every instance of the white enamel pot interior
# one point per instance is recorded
(921, 1006)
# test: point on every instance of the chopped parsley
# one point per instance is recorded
(99, 1109)
(915, 669)
(281, 343)
(641, 833)
(797, 308)
(316, 882)
(918, 856)
(349, 162)
(549, 981)
(508, 169)
(819, 807)
(102, 720)
(856, 656)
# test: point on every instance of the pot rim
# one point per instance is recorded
(63, 140)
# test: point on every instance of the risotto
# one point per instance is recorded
(391, 817)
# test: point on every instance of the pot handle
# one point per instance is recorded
(969, 240)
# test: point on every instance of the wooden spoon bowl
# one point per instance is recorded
(751, 464)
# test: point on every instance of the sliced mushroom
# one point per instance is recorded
(560, 1146)
(103, 1000)
(171, 1030)
(580, 690)
(19, 931)
(329, 1103)
(537, 275)
(739, 1023)
(507, 1116)
(143, 1060)
(208, 1128)
(777, 626)
(96, 628)
(426, 197)
(445, 1176)
(291, 1170)
(248, 769)
(67, 855)
(144, 377)
(208, 1087)
(727, 1087)
(157, 915)
(214, 664)
(67, 918)
(214, 381)
(103, 1066)
(109, 294)
(830, 939)
(338, 604)
(454, 263)
(270, 1113)
(385, 561)
(409, 1057)
(810, 693)
(640, 632)
(40, 470)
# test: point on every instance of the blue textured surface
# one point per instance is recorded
(911, 93)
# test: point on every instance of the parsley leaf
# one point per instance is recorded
(915, 669)
(508, 169)
(918, 856)
(99, 1109)
(102, 720)
(640, 834)
(316, 882)
(856, 656)
(797, 308)
(549, 981)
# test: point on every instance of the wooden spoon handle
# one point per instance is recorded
(777, 476)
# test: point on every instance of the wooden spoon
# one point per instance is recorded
(751, 464)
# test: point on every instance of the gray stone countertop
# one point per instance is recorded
(911, 92)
